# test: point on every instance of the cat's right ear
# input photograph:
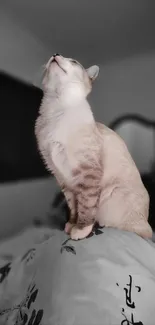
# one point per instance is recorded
(93, 72)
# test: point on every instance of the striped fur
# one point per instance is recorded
(90, 162)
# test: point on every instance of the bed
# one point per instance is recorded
(48, 279)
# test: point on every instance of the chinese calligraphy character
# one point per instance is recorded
(128, 292)
(129, 303)
(126, 321)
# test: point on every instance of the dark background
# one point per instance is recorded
(19, 157)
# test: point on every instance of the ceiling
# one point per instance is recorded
(91, 30)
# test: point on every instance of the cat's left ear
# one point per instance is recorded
(93, 72)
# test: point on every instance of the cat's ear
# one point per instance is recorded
(93, 72)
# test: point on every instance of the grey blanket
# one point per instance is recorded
(108, 279)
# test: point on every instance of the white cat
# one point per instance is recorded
(90, 162)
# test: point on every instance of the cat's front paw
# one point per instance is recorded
(77, 233)
(68, 227)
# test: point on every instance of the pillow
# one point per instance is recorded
(108, 278)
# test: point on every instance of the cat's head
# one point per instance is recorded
(64, 73)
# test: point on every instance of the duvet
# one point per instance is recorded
(107, 278)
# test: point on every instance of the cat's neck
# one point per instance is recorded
(71, 104)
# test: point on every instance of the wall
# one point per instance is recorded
(128, 86)
(123, 86)
(21, 54)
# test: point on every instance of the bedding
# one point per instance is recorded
(107, 278)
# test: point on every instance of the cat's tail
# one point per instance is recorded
(141, 228)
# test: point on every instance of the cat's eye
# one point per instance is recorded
(74, 62)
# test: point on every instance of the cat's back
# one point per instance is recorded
(118, 162)
(113, 144)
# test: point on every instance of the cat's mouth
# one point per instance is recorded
(55, 60)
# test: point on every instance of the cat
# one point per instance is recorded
(91, 163)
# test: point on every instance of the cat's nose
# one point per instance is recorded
(57, 54)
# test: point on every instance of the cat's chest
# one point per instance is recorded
(56, 133)
(53, 144)
(50, 133)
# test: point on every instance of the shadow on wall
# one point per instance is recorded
(19, 158)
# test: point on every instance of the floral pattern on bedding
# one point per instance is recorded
(22, 295)
(20, 301)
